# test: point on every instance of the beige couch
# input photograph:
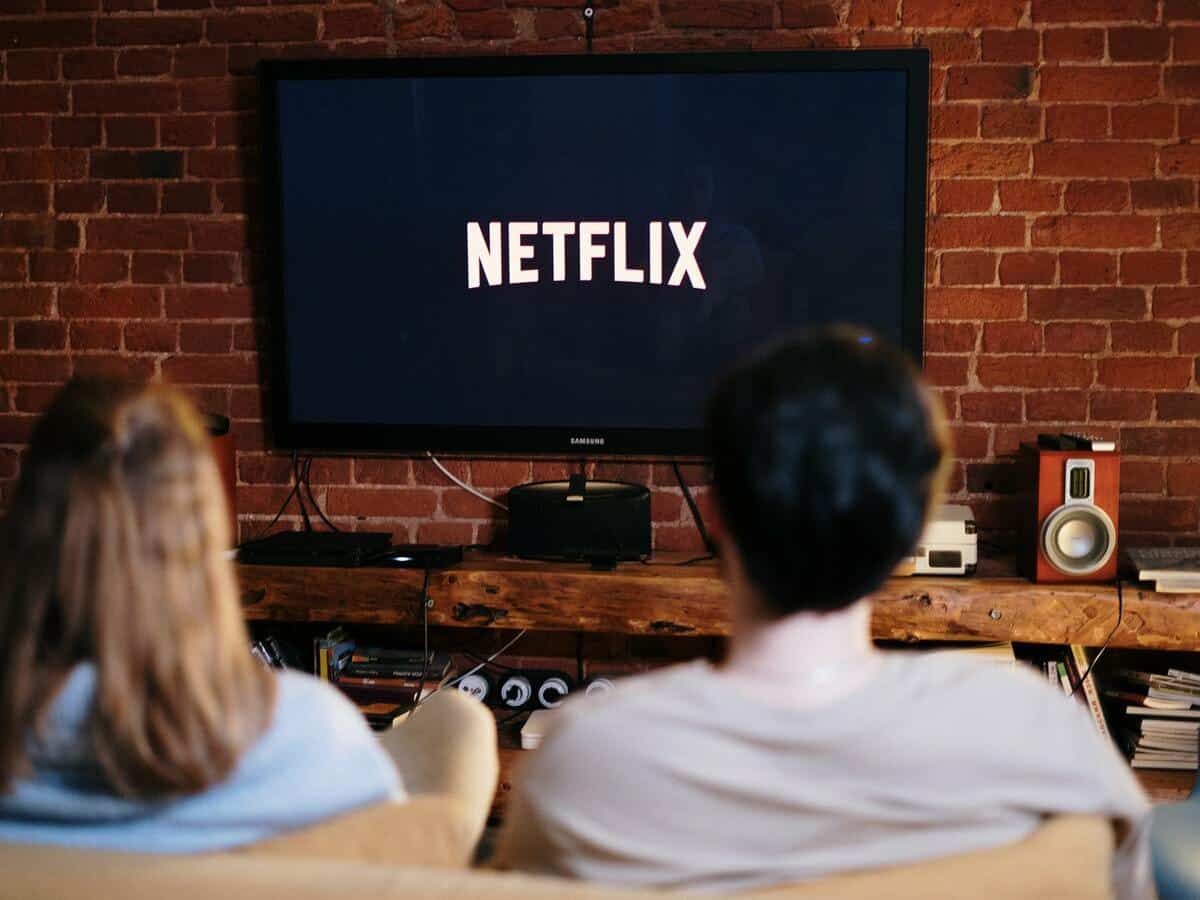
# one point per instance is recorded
(421, 849)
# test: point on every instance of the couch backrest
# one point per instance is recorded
(1067, 859)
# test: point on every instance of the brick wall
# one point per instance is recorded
(1064, 232)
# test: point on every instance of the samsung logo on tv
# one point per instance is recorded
(587, 441)
(486, 253)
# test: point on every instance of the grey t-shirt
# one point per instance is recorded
(682, 779)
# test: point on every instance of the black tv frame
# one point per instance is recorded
(411, 439)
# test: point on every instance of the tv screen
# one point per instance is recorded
(561, 255)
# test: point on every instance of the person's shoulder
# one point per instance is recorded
(308, 708)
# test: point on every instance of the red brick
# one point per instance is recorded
(1185, 44)
(1056, 406)
(1151, 267)
(450, 533)
(26, 301)
(1138, 44)
(1176, 303)
(81, 131)
(24, 131)
(32, 65)
(144, 61)
(1181, 230)
(132, 198)
(156, 268)
(1075, 337)
(1012, 337)
(1033, 371)
(1073, 44)
(39, 334)
(354, 22)
(12, 268)
(964, 196)
(992, 406)
(1086, 303)
(140, 97)
(969, 441)
(381, 502)
(1189, 338)
(1183, 478)
(1088, 268)
(1121, 406)
(1142, 337)
(82, 65)
(1151, 122)
(962, 14)
(186, 131)
(152, 337)
(498, 473)
(136, 233)
(969, 267)
(1173, 407)
(53, 367)
(125, 31)
(101, 335)
(1157, 515)
(209, 303)
(977, 231)
(1097, 159)
(873, 13)
(214, 369)
(1096, 196)
(1181, 159)
(253, 27)
(1182, 81)
(951, 337)
(1076, 120)
(1141, 477)
(1145, 372)
(1089, 83)
(110, 302)
(187, 197)
(1030, 196)
(202, 268)
(100, 268)
(16, 33)
(1010, 46)
(974, 303)
(1189, 121)
(49, 265)
(205, 337)
(1094, 231)
(947, 47)
(978, 159)
(715, 14)
(1011, 120)
(954, 120)
(1160, 441)
(87, 197)
(946, 370)
(24, 197)
(219, 235)
(199, 62)
(1094, 10)
(1163, 194)
(1027, 268)
(988, 82)
(554, 23)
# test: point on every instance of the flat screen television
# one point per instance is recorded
(561, 254)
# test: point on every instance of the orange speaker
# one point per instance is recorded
(1071, 516)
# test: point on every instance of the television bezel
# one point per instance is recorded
(406, 439)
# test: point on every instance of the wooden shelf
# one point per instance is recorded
(1163, 785)
(669, 599)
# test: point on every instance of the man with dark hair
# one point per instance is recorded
(809, 752)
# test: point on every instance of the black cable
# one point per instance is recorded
(296, 474)
(282, 509)
(1095, 659)
(589, 23)
(695, 510)
(312, 499)
(424, 639)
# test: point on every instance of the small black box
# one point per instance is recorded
(596, 521)
(315, 548)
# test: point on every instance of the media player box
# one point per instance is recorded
(597, 521)
(948, 545)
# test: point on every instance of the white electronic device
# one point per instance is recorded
(948, 545)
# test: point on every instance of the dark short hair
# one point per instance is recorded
(827, 450)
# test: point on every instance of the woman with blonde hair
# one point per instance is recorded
(132, 714)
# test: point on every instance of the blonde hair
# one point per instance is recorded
(112, 553)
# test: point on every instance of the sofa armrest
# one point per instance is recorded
(430, 830)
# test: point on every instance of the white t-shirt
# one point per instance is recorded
(682, 779)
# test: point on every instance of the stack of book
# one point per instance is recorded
(1173, 570)
(1164, 723)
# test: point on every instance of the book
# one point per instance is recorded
(393, 683)
(1188, 713)
(438, 667)
(1090, 695)
(1153, 563)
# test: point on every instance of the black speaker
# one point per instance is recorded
(600, 522)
